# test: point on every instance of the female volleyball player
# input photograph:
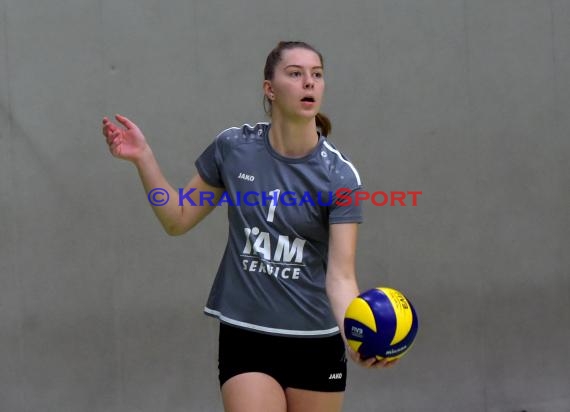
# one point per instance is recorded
(288, 271)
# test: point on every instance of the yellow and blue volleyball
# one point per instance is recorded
(381, 323)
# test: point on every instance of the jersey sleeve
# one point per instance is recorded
(344, 207)
(209, 164)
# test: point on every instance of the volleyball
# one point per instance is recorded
(381, 323)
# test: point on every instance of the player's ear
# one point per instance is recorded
(268, 89)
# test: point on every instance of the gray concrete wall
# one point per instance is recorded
(467, 101)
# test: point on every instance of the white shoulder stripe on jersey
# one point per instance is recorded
(242, 126)
(332, 149)
(218, 315)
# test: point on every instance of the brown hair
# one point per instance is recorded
(273, 58)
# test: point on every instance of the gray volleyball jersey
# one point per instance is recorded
(272, 274)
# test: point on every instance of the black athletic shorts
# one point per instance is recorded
(311, 363)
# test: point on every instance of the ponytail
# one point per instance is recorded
(323, 123)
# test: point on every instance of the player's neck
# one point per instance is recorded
(291, 139)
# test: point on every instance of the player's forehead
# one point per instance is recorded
(299, 57)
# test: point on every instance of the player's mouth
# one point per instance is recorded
(308, 101)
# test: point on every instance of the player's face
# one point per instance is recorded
(298, 84)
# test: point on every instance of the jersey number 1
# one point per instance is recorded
(273, 204)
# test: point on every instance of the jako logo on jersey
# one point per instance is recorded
(249, 178)
(285, 250)
(335, 376)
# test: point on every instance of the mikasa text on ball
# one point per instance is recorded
(381, 323)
